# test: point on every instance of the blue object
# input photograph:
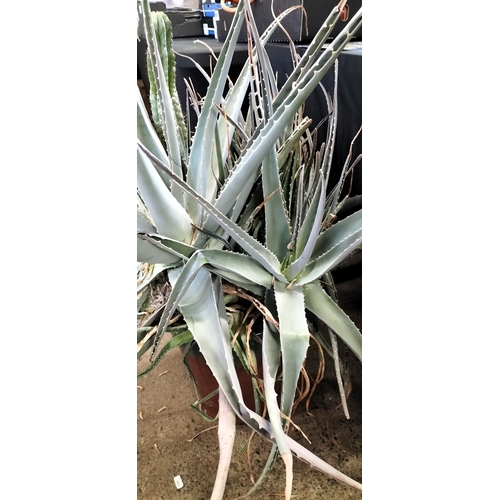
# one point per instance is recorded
(209, 9)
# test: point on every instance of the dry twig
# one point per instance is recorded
(201, 432)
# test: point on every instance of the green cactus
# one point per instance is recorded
(163, 30)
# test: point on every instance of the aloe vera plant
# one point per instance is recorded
(244, 202)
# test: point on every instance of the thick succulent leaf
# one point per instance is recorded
(294, 338)
(202, 305)
(148, 136)
(238, 93)
(266, 137)
(322, 305)
(339, 240)
(152, 254)
(181, 250)
(308, 232)
(168, 214)
(182, 279)
(311, 69)
(236, 268)
(349, 204)
(316, 45)
(293, 141)
(267, 76)
(263, 427)
(278, 232)
(239, 281)
(256, 250)
(332, 108)
(270, 364)
(336, 233)
(227, 433)
(200, 176)
(200, 308)
(317, 268)
(213, 338)
(238, 264)
(143, 226)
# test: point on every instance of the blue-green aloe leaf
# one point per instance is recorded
(168, 214)
(227, 433)
(148, 136)
(333, 245)
(349, 204)
(210, 330)
(255, 249)
(231, 263)
(238, 93)
(200, 176)
(238, 192)
(308, 59)
(143, 225)
(308, 232)
(338, 232)
(317, 268)
(294, 338)
(200, 308)
(322, 305)
(264, 428)
(181, 250)
(278, 232)
(266, 137)
(153, 254)
(236, 264)
(270, 364)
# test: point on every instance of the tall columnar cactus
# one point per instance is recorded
(163, 30)
(159, 26)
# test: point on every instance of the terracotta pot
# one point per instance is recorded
(206, 383)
